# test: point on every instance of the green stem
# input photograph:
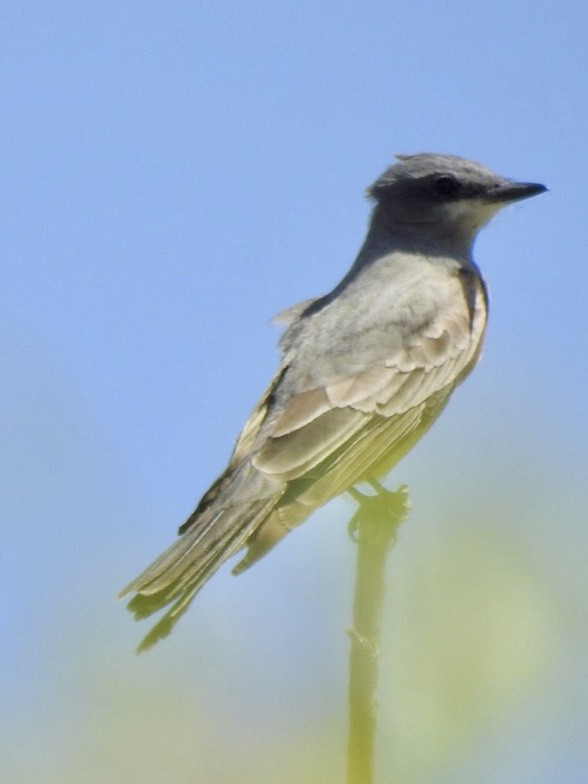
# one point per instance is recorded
(374, 524)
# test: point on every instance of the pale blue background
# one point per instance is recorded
(171, 175)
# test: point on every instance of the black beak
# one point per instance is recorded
(514, 191)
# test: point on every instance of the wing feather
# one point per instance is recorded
(354, 421)
(289, 456)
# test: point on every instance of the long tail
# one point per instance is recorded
(210, 538)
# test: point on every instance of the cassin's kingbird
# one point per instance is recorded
(364, 372)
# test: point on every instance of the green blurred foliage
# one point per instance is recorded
(471, 632)
(474, 631)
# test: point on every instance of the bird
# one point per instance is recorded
(364, 372)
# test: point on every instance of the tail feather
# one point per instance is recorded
(165, 625)
(181, 571)
(189, 549)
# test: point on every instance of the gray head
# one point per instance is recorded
(442, 197)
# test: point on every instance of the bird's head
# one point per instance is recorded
(442, 196)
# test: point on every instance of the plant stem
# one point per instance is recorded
(374, 524)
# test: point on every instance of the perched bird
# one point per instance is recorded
(364, 372)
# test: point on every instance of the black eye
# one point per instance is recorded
(446, 185)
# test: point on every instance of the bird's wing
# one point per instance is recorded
(357, 428)
(251, 428)
(333, 422)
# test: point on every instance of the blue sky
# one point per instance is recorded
(173, 174)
